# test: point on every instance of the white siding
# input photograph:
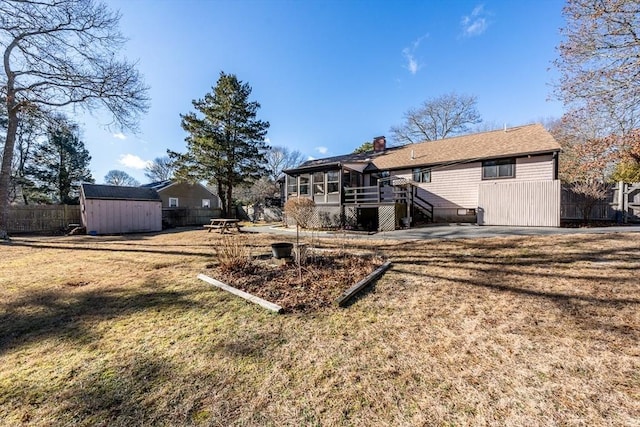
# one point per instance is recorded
(534, 168)
(456, 186)
(452, 186)
(520, 203)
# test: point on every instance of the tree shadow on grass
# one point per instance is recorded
(101, 392)
(104, 248)
(252, 344)
(588, 293)
(66, 315)
(485, 253)
(116, 391)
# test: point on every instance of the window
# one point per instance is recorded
(422, 175)
(292, 186)
(383, 177)
(304, 185)
(333, 182)
(206, 203)
(352, 179)
(499, 169)
(318, 183)
(173, 202)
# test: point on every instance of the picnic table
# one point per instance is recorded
(223, 224)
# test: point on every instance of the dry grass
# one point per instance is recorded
(505, 331)
(232, 254)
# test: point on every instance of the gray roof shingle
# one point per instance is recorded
(114, 192)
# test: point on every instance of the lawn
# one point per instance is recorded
(502, 331)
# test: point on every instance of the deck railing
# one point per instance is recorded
(358, 195)
(402, 191)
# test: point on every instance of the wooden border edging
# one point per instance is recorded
(346, 295)
(257, 300)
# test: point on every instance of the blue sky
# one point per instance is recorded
(330, 75)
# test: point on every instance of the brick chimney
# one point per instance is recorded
(379, 144)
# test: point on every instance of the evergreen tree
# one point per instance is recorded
(60, 164)
(225, 145)
(366, 147)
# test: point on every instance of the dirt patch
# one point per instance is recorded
(323, 278)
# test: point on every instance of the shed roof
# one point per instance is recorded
(517, 141)
(115, 192)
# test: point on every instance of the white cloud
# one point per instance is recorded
(132, 161)
(412, 64)
(409, 55)
(476, 23)
(322, 150)
(121, 136)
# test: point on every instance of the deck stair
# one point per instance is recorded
(420, 210)
(393, 190)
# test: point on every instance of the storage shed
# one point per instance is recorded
(111, 209)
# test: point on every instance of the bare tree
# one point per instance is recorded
(160, 169)
(586, 155)
(598, 62)
(586, 161)
(438, 118)
(300, 210)
(120, 178)
(58, 54)
(281, 158)
(256, 192)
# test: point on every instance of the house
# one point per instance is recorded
(111, 209)
(503, 177)
(186, 204)
(184, 195)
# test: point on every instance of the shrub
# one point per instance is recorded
(301, 210)
(232, 254)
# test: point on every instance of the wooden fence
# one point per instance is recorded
(42, 218)
(621, 204)
(182, 217)
(53, 219)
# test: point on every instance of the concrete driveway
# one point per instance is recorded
(453, 231)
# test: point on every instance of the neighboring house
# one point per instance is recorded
(186, 204)
(111, 209)
(503, 177)
(184, 195)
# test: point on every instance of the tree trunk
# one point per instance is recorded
(5, 171)
(230, 211)
(223, 199)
